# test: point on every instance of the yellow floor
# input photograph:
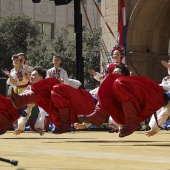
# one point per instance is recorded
(86, 150)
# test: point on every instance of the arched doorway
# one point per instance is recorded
(148, 35)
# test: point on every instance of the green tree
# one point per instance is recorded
(91, 55)
(38, 53)
(41, 52)
(14, 31)
(19, 34)
(67, 50)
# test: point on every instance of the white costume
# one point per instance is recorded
(74, 83)
(59, 73)
(101, 76)
(20, 77)
(164, 112)
(98, 76)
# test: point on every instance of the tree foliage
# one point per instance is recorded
(19, 34)
(38, 53)
(14, 31)
(91, 55)
(67, 50)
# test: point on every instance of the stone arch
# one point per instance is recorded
(148, 34)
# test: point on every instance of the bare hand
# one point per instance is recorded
(61, 81)
(113, 129)
(17, 131)
(40, 131)
(25, 67)
(131, 73)
(150, 133)
(6, 72)
(23, 60)
(91, 72)
(80, 126)
(166, 64)
(51, 75)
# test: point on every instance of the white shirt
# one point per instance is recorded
(101, 76)
(98, 76)
(74, 83)
(94, 91)
(20, 78)
(62, 74)
(166, 83)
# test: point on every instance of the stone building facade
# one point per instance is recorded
(148, 34)
(50, 17)
(148, 27)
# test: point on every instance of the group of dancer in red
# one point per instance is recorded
(129, 100)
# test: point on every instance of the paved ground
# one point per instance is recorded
(86, 151)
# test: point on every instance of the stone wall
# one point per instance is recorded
(148, 25)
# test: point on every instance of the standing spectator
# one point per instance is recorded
(58, 72)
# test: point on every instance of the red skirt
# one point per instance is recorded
(147, 96)
(53, 96)
(7, 109)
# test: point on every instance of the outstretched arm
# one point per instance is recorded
(23, 120)
(39, 125)
(95, 74)
(166, 64)
(10, 78)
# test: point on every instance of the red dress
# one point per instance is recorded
(113, 65)
(53, 96)
(147, 96)
(7, 109)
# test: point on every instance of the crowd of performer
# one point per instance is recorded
(63, 103)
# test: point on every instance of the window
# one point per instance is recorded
(99, 2)
(47, 29)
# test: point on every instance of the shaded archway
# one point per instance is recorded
(148, 37)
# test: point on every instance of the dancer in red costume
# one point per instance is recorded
(128, 100)
(117, 54)
(57, 100)
(8, 114)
